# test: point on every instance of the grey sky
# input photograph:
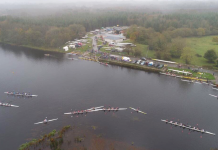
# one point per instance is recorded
(61, 1)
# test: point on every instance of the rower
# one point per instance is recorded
(45, 121)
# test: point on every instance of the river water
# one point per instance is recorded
(62, 84)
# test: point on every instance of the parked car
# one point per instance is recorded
(146, 63)
(138, 62)
(155, 65)
(134, 61)
(142, 62)
(143, 58)
(161, 66)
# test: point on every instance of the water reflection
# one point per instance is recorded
(29, 53)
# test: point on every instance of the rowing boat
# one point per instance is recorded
(7, 105)
(20, 94)
(168, 74)
(80, 112)
(94, 108)
(138, 110)
(46, 121)
(188, 127)
(215, 88)
(213, 95)
(187, 81)
(112, 109)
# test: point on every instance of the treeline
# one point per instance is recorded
(21, 33)
(155, 29)
(164, 44)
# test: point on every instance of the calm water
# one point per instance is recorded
(63, 84)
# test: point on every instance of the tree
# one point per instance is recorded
(128, 49)
(137, 52)
(215, 39)
(200, 31)
(158, 54)
(186, 55)
(210, 55)
(176, 47)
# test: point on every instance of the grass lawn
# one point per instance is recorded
(143, 48)
(199, 45)
(86, 47)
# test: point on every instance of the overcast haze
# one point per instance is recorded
(48, 7)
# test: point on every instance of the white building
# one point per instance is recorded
(114, 38)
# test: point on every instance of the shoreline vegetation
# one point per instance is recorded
(77, 138)
(53, 139)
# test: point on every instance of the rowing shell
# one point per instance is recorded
(20, 94)
(183, 126)
(213, 95)
(138, 110)
(80, 112)
(95, 108)
(168, 74)
(46, 121)
(191, 81)
(7, 105)
(113, 109)
(215, 88)
(187, 81)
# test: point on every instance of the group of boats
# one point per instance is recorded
(93, 109)
(186, 126)
(18, 95)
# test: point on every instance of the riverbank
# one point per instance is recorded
(77, 137)
(129, 65)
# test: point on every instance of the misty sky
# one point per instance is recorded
(61, 1)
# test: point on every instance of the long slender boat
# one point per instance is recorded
(190, 81)
(215, 88)
(138, 110)
(20, 94)
(80, 112)
(94, 108)
(213, 95)
(112, 109)
(172, 75)
(187, 127)
(7, 105)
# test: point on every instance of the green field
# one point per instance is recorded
(200, 45)
(143, 48)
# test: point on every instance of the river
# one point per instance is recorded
(62, 84)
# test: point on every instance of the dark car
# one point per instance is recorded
(155, 65)
(143, 58)
(161, 66)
